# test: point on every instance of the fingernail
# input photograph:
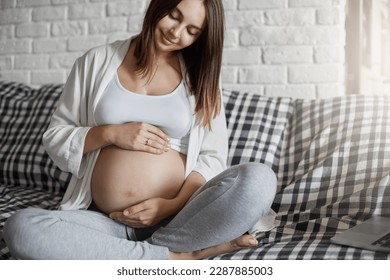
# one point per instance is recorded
(253, 242)
(125, 212)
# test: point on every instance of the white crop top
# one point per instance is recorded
(170, 112)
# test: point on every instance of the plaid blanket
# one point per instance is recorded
(330, 157)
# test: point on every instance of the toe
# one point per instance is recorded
(245, 241)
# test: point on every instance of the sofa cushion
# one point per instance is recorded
(25, 115)
(256, 127)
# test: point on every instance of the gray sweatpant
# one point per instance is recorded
(223, 209)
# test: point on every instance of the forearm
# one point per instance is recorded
(97, 137)
(193, 182)
(151, 211)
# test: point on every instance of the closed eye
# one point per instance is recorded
(172, 16)
(193, 33)
(177, 15)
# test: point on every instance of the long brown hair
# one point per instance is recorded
(203, 59)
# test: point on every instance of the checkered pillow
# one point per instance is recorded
(25, 115)
(256, 127)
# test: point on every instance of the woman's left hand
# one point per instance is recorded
(145, 214)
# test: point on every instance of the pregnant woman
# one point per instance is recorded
(141, 127)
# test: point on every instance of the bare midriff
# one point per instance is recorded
(122, 178)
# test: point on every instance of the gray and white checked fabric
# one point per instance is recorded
(25, 115)
(28, 177)
(332, 161)
(330, 157)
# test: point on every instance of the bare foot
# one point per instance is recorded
(242, 242)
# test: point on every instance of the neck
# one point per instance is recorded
(165, 57)
(159, 62)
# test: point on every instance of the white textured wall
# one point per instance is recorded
(276, 47)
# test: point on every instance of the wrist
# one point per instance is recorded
(96, 138)
(108, 134)
(174, 205)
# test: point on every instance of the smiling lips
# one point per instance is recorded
(166, 39)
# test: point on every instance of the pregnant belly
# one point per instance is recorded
(123, 178)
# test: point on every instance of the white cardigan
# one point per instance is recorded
(74, 116)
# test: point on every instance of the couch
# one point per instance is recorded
(330, 156)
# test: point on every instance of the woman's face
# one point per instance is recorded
(181, 27)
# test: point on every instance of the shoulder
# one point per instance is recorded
(102, 53)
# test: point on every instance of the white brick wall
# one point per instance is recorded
(275, 47)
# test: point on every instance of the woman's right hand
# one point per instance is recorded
(135, 136)
(138, 136)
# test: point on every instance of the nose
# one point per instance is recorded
(176, 32)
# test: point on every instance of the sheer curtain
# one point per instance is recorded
(368, 47)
